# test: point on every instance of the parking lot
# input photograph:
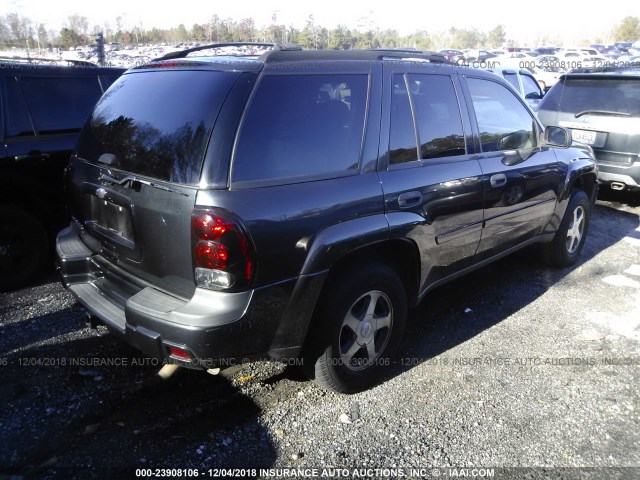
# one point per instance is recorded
(515, 365)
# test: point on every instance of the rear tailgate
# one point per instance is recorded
(140, 228)
(134, 178)
(603, 111)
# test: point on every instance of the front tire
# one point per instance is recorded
(569, 240)
(357, 327)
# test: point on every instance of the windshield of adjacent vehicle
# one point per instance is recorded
(157, 123)
(592, 95)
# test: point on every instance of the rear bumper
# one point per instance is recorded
(215, 328)
(628, 175)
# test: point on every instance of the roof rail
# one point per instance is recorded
(407, 53)
(354, 54)
(47, 61)
(184, 53)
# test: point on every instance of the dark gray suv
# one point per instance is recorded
(295, 205)
(601, 107)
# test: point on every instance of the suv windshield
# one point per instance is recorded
(157, 125)
(612, 94)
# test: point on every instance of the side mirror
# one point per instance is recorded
(514, 141)
(557, 137)
(533, 96)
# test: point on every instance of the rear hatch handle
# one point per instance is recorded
(131, 180)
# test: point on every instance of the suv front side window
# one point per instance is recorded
(302, 126)
(503, 122)
(529, 85)
(18, 120)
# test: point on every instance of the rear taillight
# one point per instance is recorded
(223, 255)
(180, 354)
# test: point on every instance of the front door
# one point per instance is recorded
(521, 178)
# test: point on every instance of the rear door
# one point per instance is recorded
(521, 179)
(45, 114)
(304, 164)
(430, 174)
(137, 169)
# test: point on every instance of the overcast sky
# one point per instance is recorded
(525, 21)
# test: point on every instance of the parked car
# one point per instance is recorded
(591, 61)
(478, 56)
(452, 55)
(602, 109)
(623, 46)
(604, 49)
(43, 109)
(523, 55)
(546, 77)
(548, 61)
(289, 206)
(546, 50)
(580, 50)
(523, 81)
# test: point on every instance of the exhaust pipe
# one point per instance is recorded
(167, 371)
(617, 186)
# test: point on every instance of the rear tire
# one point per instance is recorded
(358, 325)
(567, 244)
(23, 247)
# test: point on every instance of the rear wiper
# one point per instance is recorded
(133, 179)
(602, 112)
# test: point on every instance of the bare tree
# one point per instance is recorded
(78, 23)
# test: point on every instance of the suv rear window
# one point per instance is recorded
(585, 94)
(302, 126)
(157, 123)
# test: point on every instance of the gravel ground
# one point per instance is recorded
(516, 365)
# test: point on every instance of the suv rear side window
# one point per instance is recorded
(157, 123)
(301, 126)
(437, 116)
(586, 94)
(503, 122)
(60, 104)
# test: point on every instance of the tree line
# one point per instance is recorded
(21, 32)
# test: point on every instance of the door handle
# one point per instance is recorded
(31, 156)
(409, 199)
(498, 180)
